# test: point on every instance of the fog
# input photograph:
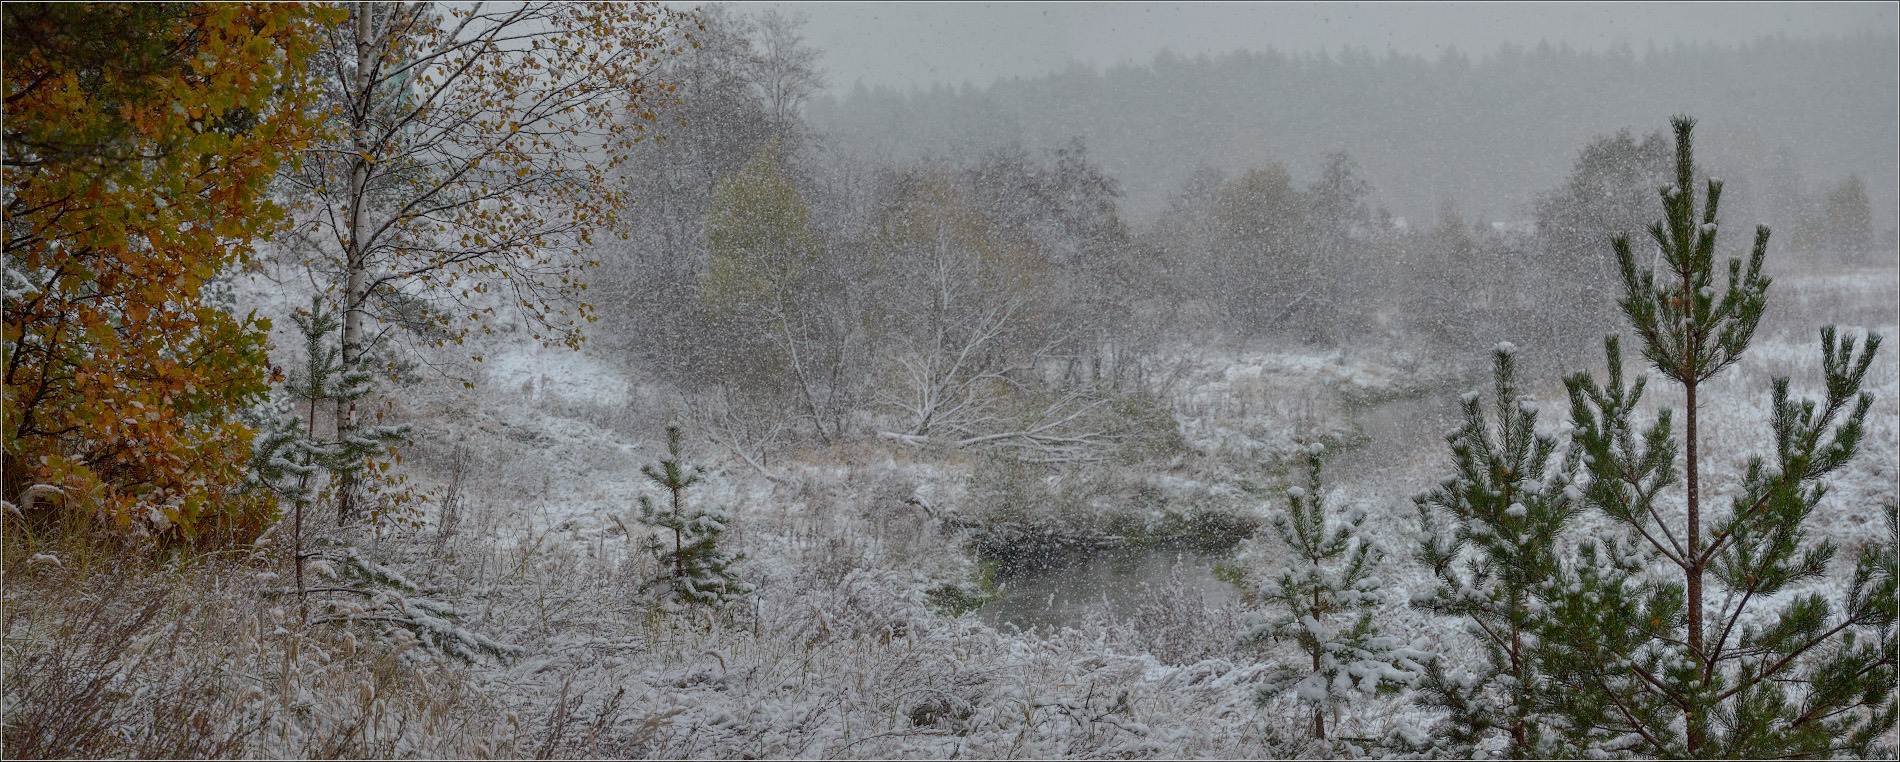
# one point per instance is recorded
(1480, 127)
(918, 45)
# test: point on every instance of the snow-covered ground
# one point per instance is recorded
(841, 652)
(840, 655)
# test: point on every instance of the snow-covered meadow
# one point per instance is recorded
(842, 651)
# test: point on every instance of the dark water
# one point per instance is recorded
(1066, 591)
(1402, 441)
(1394, 435)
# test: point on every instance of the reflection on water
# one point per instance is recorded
(1402, 444)
(1067, 591)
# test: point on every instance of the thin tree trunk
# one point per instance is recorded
(679, 562)
(1692, 556)
(1692, 478)
(1694, 571)
(798, 375)
(296, 554)
(296, 526)
(1319, 713)
(1695, 532)
(1520, 739)
(1519, 736)
(355, 257)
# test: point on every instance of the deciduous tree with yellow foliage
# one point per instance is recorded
(139, 143)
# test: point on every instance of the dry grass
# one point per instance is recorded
(112, 654)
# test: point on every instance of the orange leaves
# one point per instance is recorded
(152, 155)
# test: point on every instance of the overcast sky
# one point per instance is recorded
(916, 44)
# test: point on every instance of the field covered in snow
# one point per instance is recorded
(846, 649)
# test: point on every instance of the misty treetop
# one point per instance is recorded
(1474, 127)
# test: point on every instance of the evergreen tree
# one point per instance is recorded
(1490, 537)
(1450, 310)
(288, 454)
(1323, 601)
(291, 459)
(695, 569)
(1640, 657)
(1336, 204)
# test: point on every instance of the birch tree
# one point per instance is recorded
(966, 314)
(471, 162)
(762, 247)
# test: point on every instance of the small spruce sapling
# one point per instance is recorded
(1490, 536)
(694, 569)
(1323, 602)
(1712, 651)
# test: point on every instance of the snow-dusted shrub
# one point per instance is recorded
(1030, 515)
(873, 603)
(1174, 622)
(1151, 429)
(95, 681)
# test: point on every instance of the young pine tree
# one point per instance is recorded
(695, 569)
(1323, 601)
(296, 463)
(1490, 537)
(288, 455)
(1689, 638)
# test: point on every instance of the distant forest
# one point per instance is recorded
(1786, 120)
